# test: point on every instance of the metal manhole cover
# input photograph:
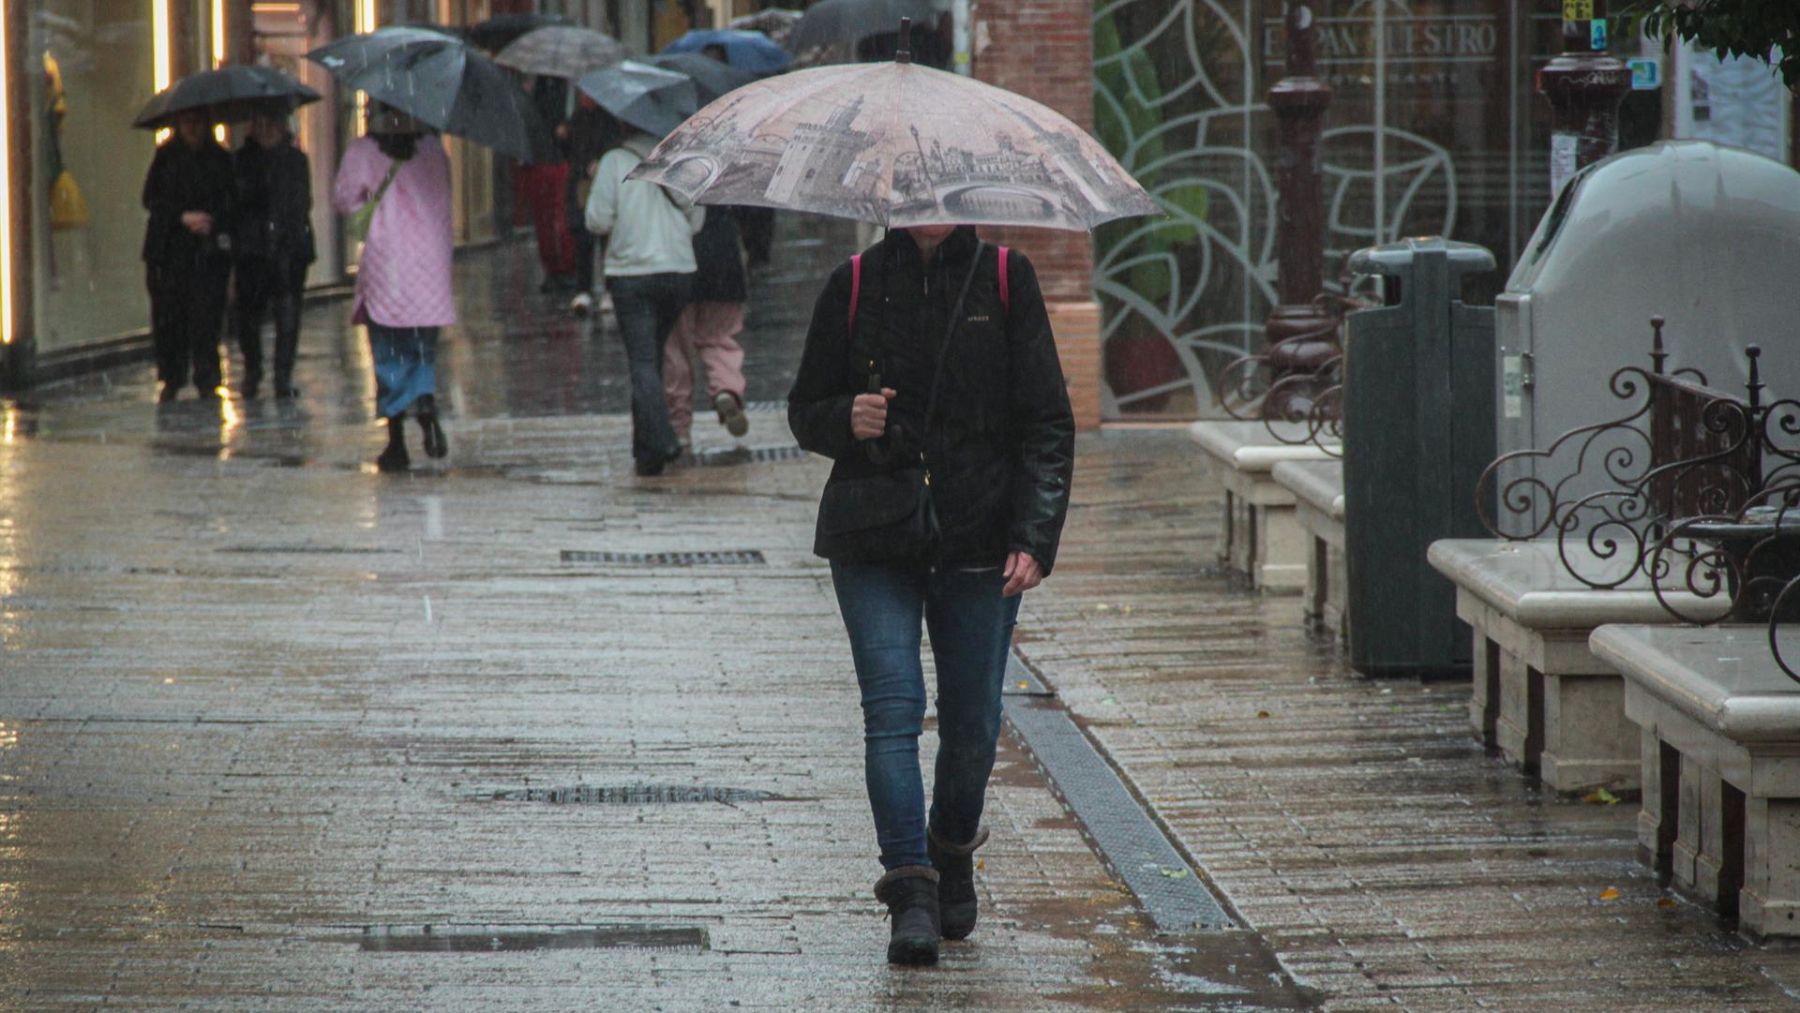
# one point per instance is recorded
(740, 557)
(631, 794)
(718, 457)
(501, 938)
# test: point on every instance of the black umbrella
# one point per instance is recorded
(497, 32)
(444, 84)
(231, 92)
(651, 99)
(840, 24)
(711, 78)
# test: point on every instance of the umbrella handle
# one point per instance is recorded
(903, 54)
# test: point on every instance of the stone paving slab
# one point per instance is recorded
(257, 698)
(1388, 860)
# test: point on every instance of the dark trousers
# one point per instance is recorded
(269, 286)
(647, 307)
(585, 243)
(187, 310)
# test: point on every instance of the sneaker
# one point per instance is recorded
(582, 304)
(731, 413)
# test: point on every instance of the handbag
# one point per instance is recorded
(889, 517)
(357, 225)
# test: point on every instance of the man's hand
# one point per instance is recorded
(198, 222)
(868, 414)
(1022, 574)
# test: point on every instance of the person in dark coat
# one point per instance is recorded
(189, 194)
(273, 245)
(998, 452)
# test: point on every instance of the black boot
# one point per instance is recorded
(911, 895)
(395, 457)
(436, 445)
(955, 864)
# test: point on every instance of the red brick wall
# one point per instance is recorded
(1044, 50)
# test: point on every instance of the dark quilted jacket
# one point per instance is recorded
(1002, 438)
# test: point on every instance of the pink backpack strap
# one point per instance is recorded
(1005, 287)
(856, 287)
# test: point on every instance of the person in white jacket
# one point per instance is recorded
(649, 268)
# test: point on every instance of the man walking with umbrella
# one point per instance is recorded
(189, 194)
(649, 264)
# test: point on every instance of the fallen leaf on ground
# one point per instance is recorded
(1610, 893)
(1262, 714)
(1600, 797)
(1175, 873)
(1665, 903)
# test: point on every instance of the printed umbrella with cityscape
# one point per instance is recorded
(896, 144)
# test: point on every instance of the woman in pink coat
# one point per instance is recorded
(403, 279)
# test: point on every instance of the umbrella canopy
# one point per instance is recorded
(443, 84)
(567, 51)
(748, 51)
(497, 32)
(649, 98)
(897, 144)
(231, 92)
(775, 22)
(712, 79)
(840, 24)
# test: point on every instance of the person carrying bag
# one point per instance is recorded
(930, 377)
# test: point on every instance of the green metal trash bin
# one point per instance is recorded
(1418, 430)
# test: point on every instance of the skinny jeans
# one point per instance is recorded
(971, 632)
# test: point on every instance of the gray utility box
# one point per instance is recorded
(1704, 236)
(1418, 431)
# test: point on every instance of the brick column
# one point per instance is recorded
(1044, 50)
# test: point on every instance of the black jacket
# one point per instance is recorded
(1001, 444)
(183, 179)
(274, 204)
(719, 260)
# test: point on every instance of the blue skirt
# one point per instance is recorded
(405, 366)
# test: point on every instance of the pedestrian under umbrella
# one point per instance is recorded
(397, 177)
(227, 94)
(190, 193)
(565, 51)
(647, 98)
(931, 380)
(712, 79)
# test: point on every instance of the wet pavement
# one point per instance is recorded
(523, 731)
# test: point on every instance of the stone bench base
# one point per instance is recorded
(1540, 695)
(1318, 490)
(1262, 539)
(1720, 761)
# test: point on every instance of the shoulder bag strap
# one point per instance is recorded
(1005, 288)
(855, 288)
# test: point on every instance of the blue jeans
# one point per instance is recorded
(647, 306)
(971, 632)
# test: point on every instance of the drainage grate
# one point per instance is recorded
(501, 938)
(765, 407)
(741, 557)
(631, 794)
(329, 550)
(1022, 681)
(1172, 892)
(717, 457)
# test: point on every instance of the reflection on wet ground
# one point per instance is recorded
(516, 354)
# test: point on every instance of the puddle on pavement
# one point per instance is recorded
(503, 938)
(631, 794)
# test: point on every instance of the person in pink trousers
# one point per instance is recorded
(708, 328)
(403, 292)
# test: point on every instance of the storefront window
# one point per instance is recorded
(96, 68)
(1435, 128)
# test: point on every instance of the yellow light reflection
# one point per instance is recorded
(219, 47)
(9, 425)
(6, 271)
(162, 70)
(365, 16)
